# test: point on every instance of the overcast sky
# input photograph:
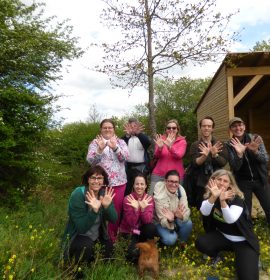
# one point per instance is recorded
(82, 87)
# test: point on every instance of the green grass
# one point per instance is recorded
(30, 247)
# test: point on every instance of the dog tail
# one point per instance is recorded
(143, 246)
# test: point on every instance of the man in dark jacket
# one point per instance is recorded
(207, 155)
(248, 160)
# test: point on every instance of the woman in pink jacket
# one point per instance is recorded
(169, 152)
(138, 212)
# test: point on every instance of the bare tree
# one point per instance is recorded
(156, 37)
(94, 116)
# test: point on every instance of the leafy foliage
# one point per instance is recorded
(33, 49)
(262, 46)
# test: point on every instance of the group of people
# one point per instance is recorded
(113, 199)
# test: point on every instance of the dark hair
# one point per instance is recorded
(140, 174)
(207, 118)
(172, 173)
(131, 120)
(96, 169)
(107, 121)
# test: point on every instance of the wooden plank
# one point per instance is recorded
(230, 97)
(246, 89)
(248, 71)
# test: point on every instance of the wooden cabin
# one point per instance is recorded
(240, 88)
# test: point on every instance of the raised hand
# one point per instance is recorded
(145, 202)
(213, 188)
(128, 128)
(216, 148)
(180, 211)
(254, 144)
(106, 200)
(238, 146)
(133, 202)
(112, 143)
(92, 201)
(139, 128)
(101, 143)
(159, 141)
(169, 140)
(205, 148)
(169, 215)
(226, 194)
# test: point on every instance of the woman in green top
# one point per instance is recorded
(90, 207)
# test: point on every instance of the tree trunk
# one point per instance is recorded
(150, 73)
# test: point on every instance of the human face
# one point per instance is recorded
(139, 186)
(238, 129)
(223, 182)
(95, 182)
(172, 183)
(171, 128)
(206, 128)
(107, 130)
(133, 127)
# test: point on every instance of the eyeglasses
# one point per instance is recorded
(107, 127)
(171, 127)
(173, 182)
(94, 178)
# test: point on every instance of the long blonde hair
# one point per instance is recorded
(233, 185)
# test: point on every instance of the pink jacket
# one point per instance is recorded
(133, 219)
(172, 158)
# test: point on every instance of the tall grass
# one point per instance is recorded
(30, 247)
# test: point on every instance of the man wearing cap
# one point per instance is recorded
(138, 143)
(248, 160)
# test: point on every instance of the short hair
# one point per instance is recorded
(131, 120)
(207, 118)
(172, 173)
(107, 121)
(96, 169)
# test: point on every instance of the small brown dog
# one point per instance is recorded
(148, 259)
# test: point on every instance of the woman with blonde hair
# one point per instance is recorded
(170, 149)
(231, 227)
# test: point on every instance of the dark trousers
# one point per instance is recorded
(132, 169)
(261, 192)
(147, 231)
(82, 249)
(246, 258)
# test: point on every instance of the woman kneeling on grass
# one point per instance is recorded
(137, 217)
(232, 228)
(90, 207)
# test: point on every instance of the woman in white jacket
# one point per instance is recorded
(171, 210)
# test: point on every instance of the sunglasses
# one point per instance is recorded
(171, 127)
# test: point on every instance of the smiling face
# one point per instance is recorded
(238, 129)
(107, 130)
(95, 182)
(206, 128)
(172, 183)
(139, 186)
(223, 182)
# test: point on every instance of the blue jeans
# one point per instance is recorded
(169, 237)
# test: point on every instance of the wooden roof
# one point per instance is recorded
(243, 67)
